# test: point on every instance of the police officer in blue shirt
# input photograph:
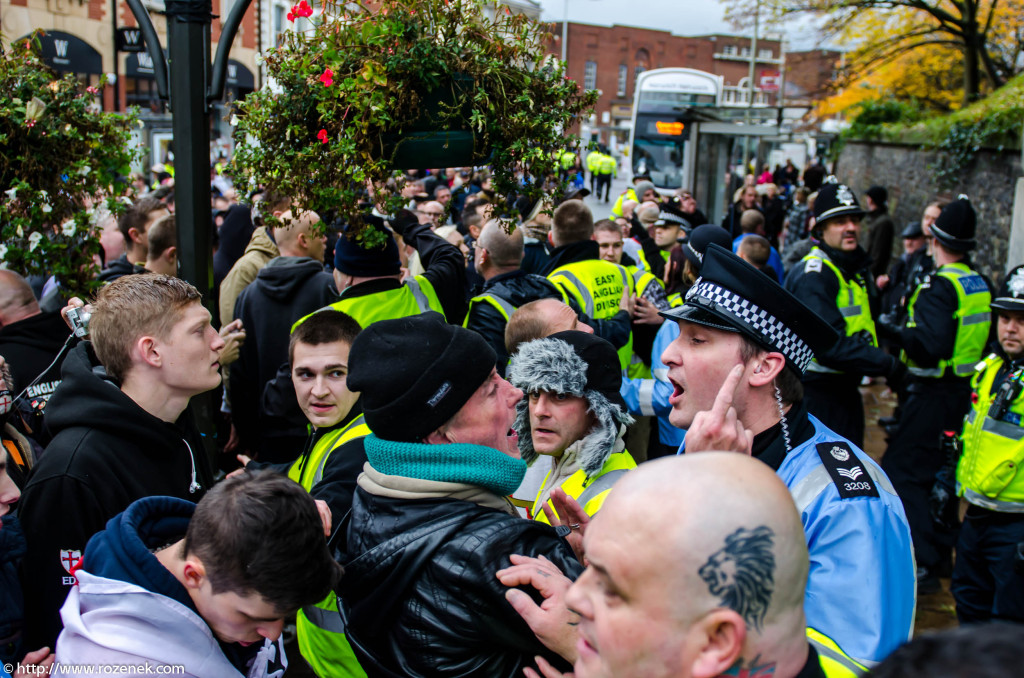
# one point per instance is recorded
(735, 370)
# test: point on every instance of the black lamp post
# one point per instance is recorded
(193, 85)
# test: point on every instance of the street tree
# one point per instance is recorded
(985, 36)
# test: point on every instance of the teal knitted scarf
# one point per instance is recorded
(477, 465)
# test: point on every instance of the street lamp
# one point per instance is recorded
(191, 90)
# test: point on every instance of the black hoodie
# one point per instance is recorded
(106, 453)
(117, 268)
(286, 289)
(30, 347)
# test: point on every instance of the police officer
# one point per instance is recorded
(606, 171)
(988, 581)
(943, 338)
(834, 281)
(735, 370)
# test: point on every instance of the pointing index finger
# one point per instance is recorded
(723, 401)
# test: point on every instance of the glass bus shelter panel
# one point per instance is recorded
(710, 187)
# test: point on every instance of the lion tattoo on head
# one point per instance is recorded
(742, 573)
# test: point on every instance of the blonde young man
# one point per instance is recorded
(122, 430)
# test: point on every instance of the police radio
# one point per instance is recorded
(1007, 393)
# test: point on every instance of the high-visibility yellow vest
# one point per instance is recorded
(637, 369)
(834, 662)
(852, 302)
(589, 492)
(415, 296)
(567, 159)
(597, 286)
(629, 194)
(308, 469)
(993, 448)
(608, 165)
(973, 320)
(321, 632)
(593, 161)
(645, 265)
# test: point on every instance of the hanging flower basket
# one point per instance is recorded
(61, 160)
(358, 94)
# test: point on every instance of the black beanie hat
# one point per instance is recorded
(415, 373)
(956, 225)
(351, 258)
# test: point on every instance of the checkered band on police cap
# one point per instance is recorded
(757, 320)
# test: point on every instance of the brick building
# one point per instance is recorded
(609, 58)
(81, 39)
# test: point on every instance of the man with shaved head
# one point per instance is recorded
(709, 584)
(497, 256)
(288, 288)
(30, 340)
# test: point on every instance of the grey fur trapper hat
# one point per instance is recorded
(579, 364)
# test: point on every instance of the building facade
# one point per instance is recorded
(89, 38)
(609, 59)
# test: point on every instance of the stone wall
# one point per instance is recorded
(905, 171)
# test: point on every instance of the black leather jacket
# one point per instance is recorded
(420, 594)
(516, 288)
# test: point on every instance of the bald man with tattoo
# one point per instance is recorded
(711, 583)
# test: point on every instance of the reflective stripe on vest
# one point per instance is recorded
(834, 662)
(415, 296)
(325, 619)
(570, 278)
(308, 469)
(973, 318)
(421, 299)
(852, 303)
(645, 396)
(987, 474)
(504, 308)
(578, 484)
(357, 428)
(601, 484)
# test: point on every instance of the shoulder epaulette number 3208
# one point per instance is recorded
(848, 473)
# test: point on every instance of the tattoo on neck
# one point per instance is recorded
(755, 668)
(742, 574)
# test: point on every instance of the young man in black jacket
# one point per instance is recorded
(121, 428)
(431, 521)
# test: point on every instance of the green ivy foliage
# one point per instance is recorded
(61, 158)
(362, 77)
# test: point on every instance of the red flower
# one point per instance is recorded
(327, 78)
(302, 9)
(322, 136)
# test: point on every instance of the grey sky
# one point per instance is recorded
(681, 17)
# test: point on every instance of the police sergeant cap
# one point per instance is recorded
(1011, 293)
(956, 225)
(733, 296)
(835, 200)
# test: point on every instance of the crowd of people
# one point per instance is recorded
(515, 438)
